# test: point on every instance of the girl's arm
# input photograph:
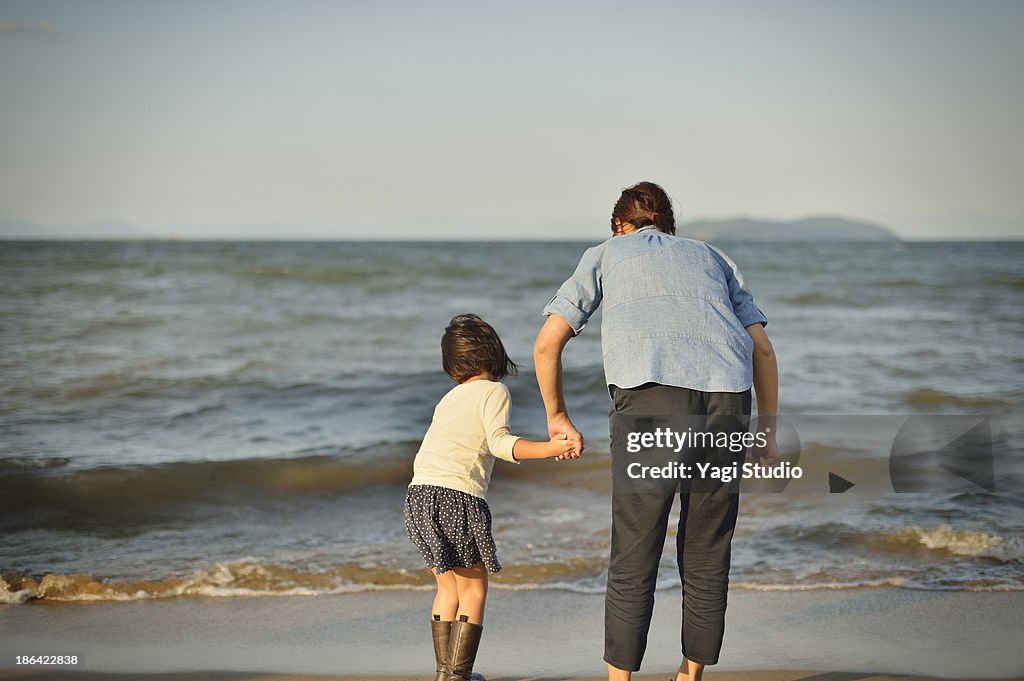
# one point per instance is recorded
(495, 411)
(557, 446)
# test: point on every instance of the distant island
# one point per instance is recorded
(821, 228)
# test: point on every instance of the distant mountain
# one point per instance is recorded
(821, 228)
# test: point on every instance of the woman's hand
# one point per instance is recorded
(559, 424)
(769, 454)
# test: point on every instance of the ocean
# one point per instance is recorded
(207, 419)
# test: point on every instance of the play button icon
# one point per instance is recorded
(838, 485)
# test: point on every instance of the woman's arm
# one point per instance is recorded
(766, 389)
(547, 362)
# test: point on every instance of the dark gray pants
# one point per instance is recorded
(640, 521)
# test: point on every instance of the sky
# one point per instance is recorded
(508, 120)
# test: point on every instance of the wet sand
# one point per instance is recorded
(842, 635)
(255, 676)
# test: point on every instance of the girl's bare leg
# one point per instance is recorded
(446, 602)
(471, 584)
(690, 671)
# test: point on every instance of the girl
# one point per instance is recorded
(446, 516)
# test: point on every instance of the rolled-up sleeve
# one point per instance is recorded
(742, 301)
(497, 407)
(580, 295)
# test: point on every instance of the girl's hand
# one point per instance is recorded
(562, 447)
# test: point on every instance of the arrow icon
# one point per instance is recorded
(970, 456)
(939, 453)
(837, 485)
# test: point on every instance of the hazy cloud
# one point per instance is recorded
(11, 28)
(343, 117)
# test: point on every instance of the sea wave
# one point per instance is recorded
(262, 383)
(21, 463)
(114, 491)
(247, 577)
(930, 398)
(253, 577)
(821, 299)
(124, 492)
(1012, 282)
(138, 386)
(965, 543)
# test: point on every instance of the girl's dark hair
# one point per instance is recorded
(470, 346)
(643, 204)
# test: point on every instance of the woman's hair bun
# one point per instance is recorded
(645, 204)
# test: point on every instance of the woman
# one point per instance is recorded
(680, 337)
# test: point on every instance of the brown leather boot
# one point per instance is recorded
(463, 643)
(440, 631)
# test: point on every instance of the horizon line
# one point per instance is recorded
(455, 239)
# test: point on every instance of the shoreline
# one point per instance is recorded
(780, 675)
(847, 634)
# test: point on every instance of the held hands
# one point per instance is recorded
(561, 428)
(563, 448)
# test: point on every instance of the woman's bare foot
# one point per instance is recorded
(616, 674)
(690, 671)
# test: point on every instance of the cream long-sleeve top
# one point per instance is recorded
(469, 429)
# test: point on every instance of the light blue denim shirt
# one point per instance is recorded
(674, 312)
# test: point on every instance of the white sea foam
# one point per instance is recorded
(11, 597)
(966, 543)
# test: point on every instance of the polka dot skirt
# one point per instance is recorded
(450, 528)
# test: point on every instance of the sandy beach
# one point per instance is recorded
(255, 676)
(837, 635)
